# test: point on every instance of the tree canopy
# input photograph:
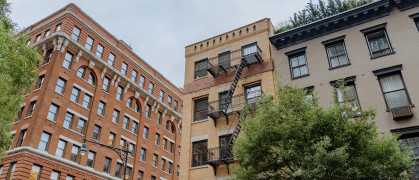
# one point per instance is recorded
(313, 12)
(290, 136)
(18, 65)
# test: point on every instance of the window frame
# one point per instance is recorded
(48, 136)
(111, 61)
(59, 86)
(404, 88)
(53, 114)
(124, 68)
(373, 30)
(195, 109)
(75, 36)
(70, 123)
(102, 112)
(196, 71)
(205, 158)
(31, 109)
(107, 166)
(74, 157)
(41, 79)
(69, 61)
(105, 85)
(96, 135)
(299, 66)
(92, 164)
(87, 45)
(99, 50)
(333, 43)
(48, 56)
(61, 149)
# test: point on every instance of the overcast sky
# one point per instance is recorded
(159, 30)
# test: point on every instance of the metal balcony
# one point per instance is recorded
(237, 102)
(229, 61)
(219, 156)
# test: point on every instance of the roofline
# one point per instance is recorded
(266, 18)
(106, 31)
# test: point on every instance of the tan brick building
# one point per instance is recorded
(232, 69)
(92, 85)
(374, 48)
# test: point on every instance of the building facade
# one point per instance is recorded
(223, 73)
(93, 86)
(373, 49)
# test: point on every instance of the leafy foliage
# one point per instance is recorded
(291, 137)
(18, 64)
(313, 12)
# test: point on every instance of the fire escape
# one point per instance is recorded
(230, 104)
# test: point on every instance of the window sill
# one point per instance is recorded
(100, 115)
(169, 132)
(383, 55)
(337, 67)
(198, 167)
(13, 123)
(52, 121)
(81, 105)
(76, 132)
(66, 68)
(27, 117)
(200, 121)
(142, 161)
(294, 78)
(129, 131)
(105, 92)
(197, 79)
(37, 89)
(168, 152)
(60, 94)
(45, 64)
(85, 81)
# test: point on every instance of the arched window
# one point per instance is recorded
(173, 129)
(166, 126)
(137, 107)
(133, 104)
(80, 72)
(129, 102)
(91, 79)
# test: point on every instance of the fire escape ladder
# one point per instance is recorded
(237, 130)
(233, 86)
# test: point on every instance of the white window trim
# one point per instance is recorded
(81, 88)
(134, 119)
(169, 139)
(77, 114)
(128, 164)
(70, 140)
(128, 139)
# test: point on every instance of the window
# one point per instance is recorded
(68, 119)
(166, 126)
(69, 177)
(178, 151)
(394, 90)
(140, 175)
(180, 131)
(200, 109)
(124, 68)
(52, 113)
(128, 173)
(107, 165)
(74, 153)
(99, 50)
(101, 108)
(111, 59)
(249, 49)
(163, 164)
(43, 143)
(40, 81)
(125, 124)
(134, 76)
(86, 101)
(35, 172)
(175, 105)
(96, 132)
(122, 143)
(171, 147)
(80, 126)
(67, 60)
(199, 155)
(115, 116)
(75, 94)
(224, 60)
(11, 171)
(38, 37)
(55, 175)
(59, 88)
(378, 43)
(131, 148)
(129, 102)
(159, 118)
(147, 111)
(118, 170)
(222, 97)
(137, 107)
(48, 56)
(91, 159)
(142, 154)
(169, 100)
(134, 127)
(150, 88)
(89, 43)
(164, 143)
(76, 33)
(105, 86)
(153, 178)
(252, 93)
(80, 72)
(336, 52)
(119, 93)
(142, 79)
(60, 148)
(145, 132)
(31, 108)
(412, 141)
(157, 139)
(177, 172)
(91, 79)
(201, 69)
(350, 96)
(47, 33)
(58, 27)
(169, 167)
(19, 115)
(298, 65)
(111, 140)
(161, 95)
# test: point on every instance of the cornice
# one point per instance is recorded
(61, 40)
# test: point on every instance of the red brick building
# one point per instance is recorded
(93, 86)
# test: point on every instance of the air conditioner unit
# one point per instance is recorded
(402, 112)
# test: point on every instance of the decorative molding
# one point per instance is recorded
(172, 118)
(137, 94)
(387, 70)
(126, 88)
(157, 108)
(44, 48)
(59, 43)
(154, 105)
(117, 81)
(114, 78)
(164, 112)
(146, 99)
(54, 43)
(344, 81)
(78, 55)
(91, 64)
(65, 45)
(103, 72)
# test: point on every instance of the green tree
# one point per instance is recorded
(18, 65)
(290, 136)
